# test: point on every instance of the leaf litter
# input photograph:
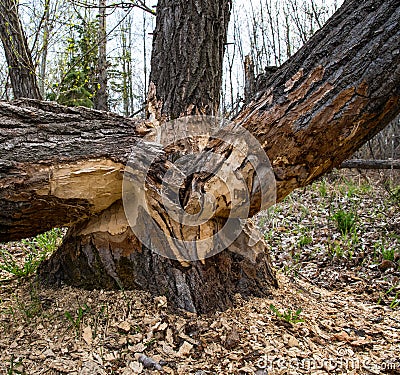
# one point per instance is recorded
(336, 282)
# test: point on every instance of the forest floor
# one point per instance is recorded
(336, 248)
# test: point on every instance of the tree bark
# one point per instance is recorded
(332, 96)
(100, 255)
(18, 56)
(249, 78)
(371, 164)
(188, 51)
(313, 113)
(101, 95)
(45, 47)
(59, 165)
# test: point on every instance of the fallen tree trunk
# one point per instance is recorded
(314, 112)
(370, 164)
(59, 165)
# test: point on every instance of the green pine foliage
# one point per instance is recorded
(78, 84)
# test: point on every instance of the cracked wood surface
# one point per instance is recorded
(315, 111)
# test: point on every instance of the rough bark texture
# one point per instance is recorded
(59, 165)
(337, 92)
(18, 56)
(188, 51)
(371, 164)
(112, 257)
(101, 96)
(314, 112)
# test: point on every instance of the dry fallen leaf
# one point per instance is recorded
(124, 326)
(341, 336)
(331, 291)
(87, 335)
(185, 349)
(48, 353)
(360, 343)
(292, 342)
(168, 350)
(232, 339)
(138, 348)
(136, 367)
(169, 337)
(161, 301)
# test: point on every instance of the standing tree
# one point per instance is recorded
(21, 69)
(101, 96)
(319, 107)
(188, 50)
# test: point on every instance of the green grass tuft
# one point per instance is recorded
(35, 251)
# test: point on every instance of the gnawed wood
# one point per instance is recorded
(59, 165)
(96, 181)
(338, 91)
(94, 255)
(315, 111)
(309, 119)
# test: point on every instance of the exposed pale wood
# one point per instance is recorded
(310, 118)
(59, 165)
(332, 96)
(313, 113)
(111, 257)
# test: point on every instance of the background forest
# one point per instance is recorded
(65, 39)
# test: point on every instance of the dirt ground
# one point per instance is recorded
(337, 309)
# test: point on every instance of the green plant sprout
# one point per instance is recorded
(345, 221)
(288, 316)
(76, 321)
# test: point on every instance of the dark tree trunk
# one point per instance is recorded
(188, 51)
(186, 79)
(249, 79)
(18, 56)
(313, 113)
(371, 164)
(59, 165)
(92, 257)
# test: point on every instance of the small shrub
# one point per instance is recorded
(388, 254)
(394, 192)
(47, 242)
(77, 318)
(393, 301)
(337, 251)
(16, 366)
(323, 190)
